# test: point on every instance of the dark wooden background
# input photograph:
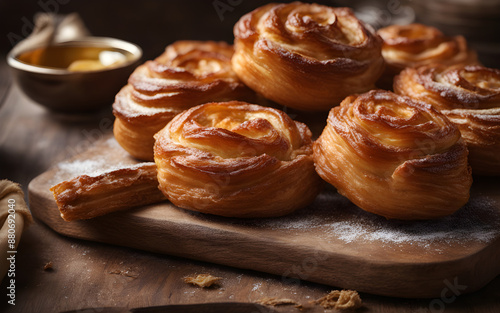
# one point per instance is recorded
(153, 24)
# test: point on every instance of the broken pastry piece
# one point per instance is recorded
(203, 280)
(86, 197)
(340, 300)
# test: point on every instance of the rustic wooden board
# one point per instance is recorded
(331, 242)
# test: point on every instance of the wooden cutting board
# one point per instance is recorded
(331, 242)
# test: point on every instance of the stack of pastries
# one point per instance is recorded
(403, 154)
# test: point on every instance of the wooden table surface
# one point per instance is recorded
(90, 275)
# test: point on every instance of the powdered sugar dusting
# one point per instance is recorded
(89, 167)
(96, 164)
(334, 217)
(94, 167)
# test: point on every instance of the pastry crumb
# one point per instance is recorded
(202, 280)
(340, 300)
(126, 273)
(279, 301)
(48, 266)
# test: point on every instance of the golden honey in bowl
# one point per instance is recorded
(76, 58)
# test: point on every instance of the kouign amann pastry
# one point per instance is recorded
(394, 156)
(236, 159)
(417, 44)
(306, 56)
(470, 97)
(188, 73)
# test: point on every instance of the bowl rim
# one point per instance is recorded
(134, 49)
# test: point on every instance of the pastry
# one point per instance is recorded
(89, 196)
(236, 159)
(306, 56)
(418, 44)
(470, 97)
(188, 73)
(394, 156)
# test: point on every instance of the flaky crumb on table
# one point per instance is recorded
(273, 301)
(340, 300)
(48, 266)
(203, 280)
(126, 273)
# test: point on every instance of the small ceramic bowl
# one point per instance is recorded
(62, 90)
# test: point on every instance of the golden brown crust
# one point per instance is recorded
(85, 197)
(236, 159)
(417, 44)
(188, 73)
(306, 56)
(394, 156)
(470, 97)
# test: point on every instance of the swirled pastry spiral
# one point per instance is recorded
(306, 56)
(394, 156)
(236, 159)
(188, 73)
(470, 97)
(418, 44)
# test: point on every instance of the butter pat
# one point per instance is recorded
(85, 65)
(106, 59)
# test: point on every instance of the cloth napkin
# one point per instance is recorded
(11, 198)
(52, 28)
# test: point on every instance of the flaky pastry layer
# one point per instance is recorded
(236, 159)
(394, 156)
(188, 73)
(89, 196)
(306, 56)
(470, 97)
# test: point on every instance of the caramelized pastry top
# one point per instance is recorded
(417, 44)
(237, 130)
(391, 129)
(455, 87)
(306, 56)
(312, 32)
